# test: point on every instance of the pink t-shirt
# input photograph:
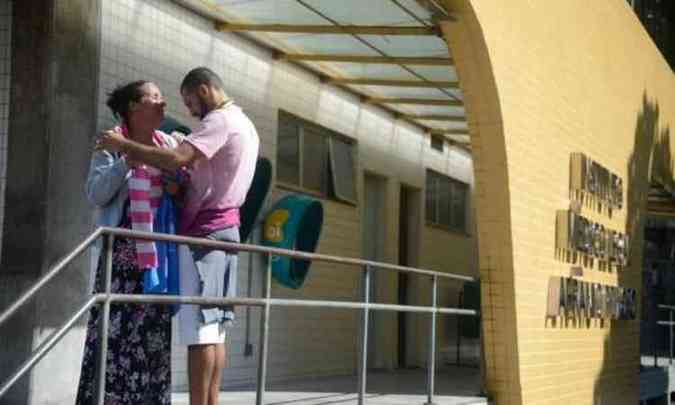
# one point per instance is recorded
(219, 183)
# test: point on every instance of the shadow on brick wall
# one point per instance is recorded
(650, 160)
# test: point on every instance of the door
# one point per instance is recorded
(408, 234)
(373, 231)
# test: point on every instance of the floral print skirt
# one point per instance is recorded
(139, 341)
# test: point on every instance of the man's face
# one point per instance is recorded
(195, 103)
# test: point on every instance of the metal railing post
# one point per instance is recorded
(459, 330)
(431, 364)
(363, 361)
(670, 346)
(670, 336)
(104, 319)
(264, 330)
(655, 340)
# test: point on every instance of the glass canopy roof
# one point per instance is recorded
(386, 13)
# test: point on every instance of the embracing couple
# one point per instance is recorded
(125, 183)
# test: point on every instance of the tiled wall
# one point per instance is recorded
(5, 68)
(160, 41)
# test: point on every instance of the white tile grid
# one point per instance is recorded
(5, 69)
(160, 41)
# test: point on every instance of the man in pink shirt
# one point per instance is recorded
(221, 157)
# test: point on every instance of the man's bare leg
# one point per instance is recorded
(201, 363)
(219, 364)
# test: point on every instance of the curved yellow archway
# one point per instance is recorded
(543, 80)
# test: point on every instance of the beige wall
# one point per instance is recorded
(544, 79)
(444, 250)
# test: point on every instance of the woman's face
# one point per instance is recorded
(149, 110)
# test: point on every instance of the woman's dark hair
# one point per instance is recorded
(119, 99)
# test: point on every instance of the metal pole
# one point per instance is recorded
(655, 339)
(260, 302)
(296, 254)
(459, 330)
(670, 337)
(432, 344)
(104, 319)
(363, 364)
(248, 346)
(264, 330)
(670, 344)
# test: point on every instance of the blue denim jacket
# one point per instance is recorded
(108, 190)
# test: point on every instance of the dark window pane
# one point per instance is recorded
(444, 191)
(343, 169)
(446, 201)
(314, 160)
(437, 142)
(431, 198)
(459, 191)
(288, 150)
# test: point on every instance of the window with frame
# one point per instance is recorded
(437, 142)
(315, 159)
(446, 201)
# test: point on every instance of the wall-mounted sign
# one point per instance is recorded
(588, 176)
(576, 233)
(569, 297)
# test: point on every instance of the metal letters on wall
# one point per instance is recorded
(590, 177)
(576, 233)
(569, 297)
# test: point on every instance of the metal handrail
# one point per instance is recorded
(242, 247)
(58, 267)
(107, 298)
(260, 302)
(47, 345)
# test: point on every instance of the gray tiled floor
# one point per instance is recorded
(454, 386)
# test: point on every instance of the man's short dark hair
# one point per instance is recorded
(201, 75)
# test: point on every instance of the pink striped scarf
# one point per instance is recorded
(145, 193)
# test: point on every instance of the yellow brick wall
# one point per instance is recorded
(319, 341)
(544, 79)
(306, 342)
